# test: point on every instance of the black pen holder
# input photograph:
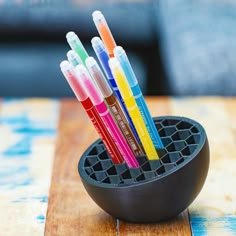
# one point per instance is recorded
(158, 189)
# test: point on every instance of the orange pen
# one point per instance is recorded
(104, 31)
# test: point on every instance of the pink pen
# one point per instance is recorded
(101, 107)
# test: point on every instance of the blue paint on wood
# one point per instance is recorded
(6, 172)
(229, 222)
(19, 149)
(201, 224)
(198, 224)
(41, 218)
(12, 184)
(21, 119)
(43, 199)
(35, 131)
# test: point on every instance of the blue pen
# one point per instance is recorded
(137, 93)
(103, 57)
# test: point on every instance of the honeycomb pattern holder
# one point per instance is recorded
(158, 189)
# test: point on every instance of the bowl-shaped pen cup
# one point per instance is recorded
(158, 189)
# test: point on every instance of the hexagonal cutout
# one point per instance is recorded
(183, 125)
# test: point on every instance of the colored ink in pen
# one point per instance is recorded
(86, 103)
(104, 31)
(133, 109)
(76, 45)
(114, 105)
(103, 57)
(101, 107)
(137, 93)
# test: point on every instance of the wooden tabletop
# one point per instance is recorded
(41, 192)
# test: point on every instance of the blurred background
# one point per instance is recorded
(176, 47)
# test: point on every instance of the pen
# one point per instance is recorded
(76, 45)
(113, 104)
(104, 31)
(101, 107)
(103, 57)
(133, 109)
(137, 93)
(86, 103)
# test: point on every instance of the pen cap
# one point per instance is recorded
(121, 56)
(88, 84)
(104, 31)
(101, 52)
(98, 45)
(71, 78)
(98, 76)
(120, 78)
(75, 44)
(73, 58)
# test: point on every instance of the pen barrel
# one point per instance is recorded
(102, 131)
(141, 129)
(107, 38)
(143, 108)
(123, 124)
(122, 103)
(117, 136)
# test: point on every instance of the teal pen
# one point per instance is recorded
(73, 58)
(121, 56)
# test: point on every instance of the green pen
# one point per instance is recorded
(77, 46)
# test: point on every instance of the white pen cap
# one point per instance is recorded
(98, 44)
(73, 58)
(122, 57)
(98, 17)
(73, 80)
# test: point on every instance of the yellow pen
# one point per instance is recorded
(133, 109)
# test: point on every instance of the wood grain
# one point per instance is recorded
(177, 226)
(213, 212)
(70, 210)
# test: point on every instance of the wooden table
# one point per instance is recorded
(42, 140)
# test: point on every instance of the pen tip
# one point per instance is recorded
(71, 35)
(96, 13)
(118, 50)
(98, 16)
(65, 64)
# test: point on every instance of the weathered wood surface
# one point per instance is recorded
(71, 211)
(30, 132)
